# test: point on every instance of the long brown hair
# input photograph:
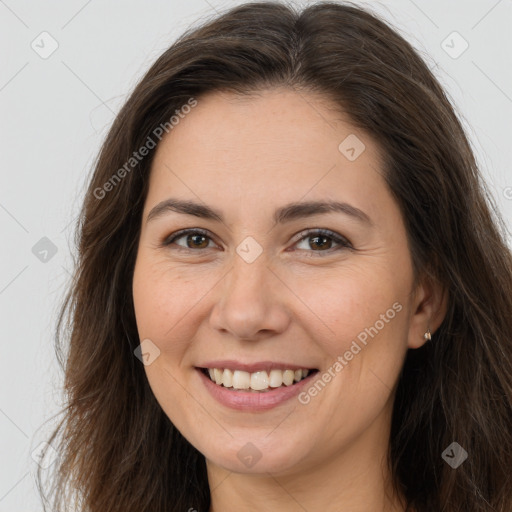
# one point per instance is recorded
(118, 451)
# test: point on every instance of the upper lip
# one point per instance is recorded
(253, 367)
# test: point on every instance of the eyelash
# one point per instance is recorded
(342, 241)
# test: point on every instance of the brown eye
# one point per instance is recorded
(321, 241)
(197, 241)
(194, 239)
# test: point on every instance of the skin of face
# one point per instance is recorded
(296, 302)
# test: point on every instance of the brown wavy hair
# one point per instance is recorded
(118, 450)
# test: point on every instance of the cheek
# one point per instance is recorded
(163, 303)
(169, 303)
(159, 302)
(355, 304)
(362, 316)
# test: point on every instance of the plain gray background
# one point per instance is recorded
(55, 110)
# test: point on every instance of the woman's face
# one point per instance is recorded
(258, 289)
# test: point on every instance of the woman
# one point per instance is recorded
(293, 291)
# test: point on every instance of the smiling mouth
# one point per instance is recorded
(259, 382)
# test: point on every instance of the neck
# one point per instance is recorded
(356, 479)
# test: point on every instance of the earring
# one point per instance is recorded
(428, 335)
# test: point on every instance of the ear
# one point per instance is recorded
(429, 309)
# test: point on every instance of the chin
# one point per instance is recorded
(260, 455)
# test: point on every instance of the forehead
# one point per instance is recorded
(276, 144)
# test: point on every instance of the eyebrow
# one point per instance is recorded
(286, 213)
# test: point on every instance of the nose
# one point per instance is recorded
(251, 301)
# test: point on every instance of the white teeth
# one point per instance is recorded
(257, 381)
(288, 376)
(241, 380)
(276, 378)
(218, 376)
(227, 378)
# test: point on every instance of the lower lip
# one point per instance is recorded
(253, 401)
